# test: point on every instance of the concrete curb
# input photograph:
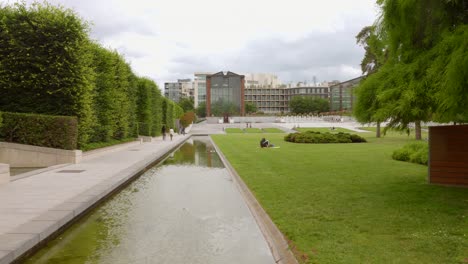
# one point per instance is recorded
(18, 244)
(278, 245)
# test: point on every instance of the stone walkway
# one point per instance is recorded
(34, 207)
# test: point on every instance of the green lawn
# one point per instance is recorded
(234, 130)
(272, 130)
(392, 132)
(252, 130)
(351, 203)
(324, 129)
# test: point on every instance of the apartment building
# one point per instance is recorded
(177, 90)
(199, 87)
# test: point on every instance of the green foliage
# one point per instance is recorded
(201, 109)
(374, 48)
(250, 108)
(45, 63)
(113, 100)
(171, 112)
(48, 65)
(187, 104)
(416, 152)
(449, 72)
(149, 107)
(308, 104)
(187, 119)
(221, 107)
(40, 130)
(318, 137)
(420, 48)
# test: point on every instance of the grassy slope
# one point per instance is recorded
(351, 203)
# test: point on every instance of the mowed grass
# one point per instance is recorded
(391, 132)
(324, 129)
(254, 130)
(234, 130)
(272, 130)
(351, 203)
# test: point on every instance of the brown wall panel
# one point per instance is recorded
(448, 155)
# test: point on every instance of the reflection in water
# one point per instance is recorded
(195, 203)
(198, 151)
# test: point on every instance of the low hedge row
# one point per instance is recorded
(317, 137)
(415, 152)
(39, 130)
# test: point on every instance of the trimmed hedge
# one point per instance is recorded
(415, 152)
(45, 65)
(39, 130)
(317, 137)
(49, 65)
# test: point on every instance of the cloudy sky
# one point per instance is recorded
(171, 39)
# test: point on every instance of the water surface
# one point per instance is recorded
(186, 210)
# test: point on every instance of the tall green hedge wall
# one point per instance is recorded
(49, 65)
(39, 130)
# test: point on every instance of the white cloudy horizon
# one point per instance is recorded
(170, 40)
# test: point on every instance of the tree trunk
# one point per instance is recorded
(377, 133)
(417, 128)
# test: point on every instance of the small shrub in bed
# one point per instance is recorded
(317, 137)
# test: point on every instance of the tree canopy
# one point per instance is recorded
(308, 104)
(419, 48)
(187, 104)
(250, 107)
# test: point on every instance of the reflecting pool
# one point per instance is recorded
(185, 210)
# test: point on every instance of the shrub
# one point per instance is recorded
(415, 152)
(187, 119)
(317, 137)
(40, 130)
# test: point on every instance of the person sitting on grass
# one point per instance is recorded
(265, 143)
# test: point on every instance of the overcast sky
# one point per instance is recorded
(171, 39)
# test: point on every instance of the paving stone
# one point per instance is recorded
(62, 217)
(42, 228)
(18, 243)
(6, 256)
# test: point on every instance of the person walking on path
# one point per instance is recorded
(163, 131)
(171, 133)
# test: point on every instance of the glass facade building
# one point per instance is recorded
(342, 95)
(225, 94)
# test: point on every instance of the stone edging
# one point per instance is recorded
(275, 239)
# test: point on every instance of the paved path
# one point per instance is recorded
(32, 208)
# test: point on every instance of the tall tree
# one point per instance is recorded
(187, 104)
(307, 104)
(411, 87)
(250, 107)
(368, 103)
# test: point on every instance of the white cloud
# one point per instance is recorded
(166, 40)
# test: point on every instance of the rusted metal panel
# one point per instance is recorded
(448, 155)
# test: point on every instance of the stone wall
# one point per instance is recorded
(4, 173)
(19, 155)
